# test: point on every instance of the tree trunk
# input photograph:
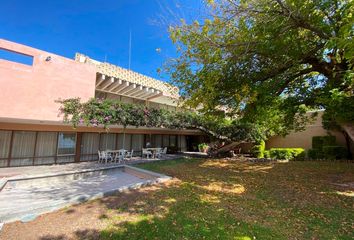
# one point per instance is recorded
(347, 142)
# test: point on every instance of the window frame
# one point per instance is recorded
(69, 154)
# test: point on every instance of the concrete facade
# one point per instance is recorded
(30, 92)
(33, 133)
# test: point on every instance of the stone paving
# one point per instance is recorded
(31, 191)
(28, 171)
(26, 199)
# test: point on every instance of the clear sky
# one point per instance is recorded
(98, 28)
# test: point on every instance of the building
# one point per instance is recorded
(32, 133)
(303, 139)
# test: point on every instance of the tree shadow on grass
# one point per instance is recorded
(86, 234)
(204, 204)
(180, 210)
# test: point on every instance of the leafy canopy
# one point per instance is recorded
(267, 61)
(107, 112)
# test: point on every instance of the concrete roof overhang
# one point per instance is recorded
(113, 85)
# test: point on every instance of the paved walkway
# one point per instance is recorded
(50, 187)
(29, 171)
(26, 199)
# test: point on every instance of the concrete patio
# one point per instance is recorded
(34, 171)
(31, 193)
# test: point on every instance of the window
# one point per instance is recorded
(89, 146)
(165, 140)
(156, 140)
(5, 138)
(126, 138)
(45, 148)
(137, 142)
(89, 143)
(173, 140)
(16, 57)
(108, 141)
(66, 143)
(23, 148)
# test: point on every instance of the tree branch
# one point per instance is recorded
(299, 21)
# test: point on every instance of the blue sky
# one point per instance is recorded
(99, 29)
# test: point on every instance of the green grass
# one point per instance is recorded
(219, 199)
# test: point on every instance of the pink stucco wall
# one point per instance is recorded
(29, 92)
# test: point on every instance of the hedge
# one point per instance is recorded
(323, 147)
(266, 154)
(334, 152)
(287, 153)
(314, 154)
(319, 141)
(258, 150)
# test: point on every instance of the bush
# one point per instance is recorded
(318, 145)
(287, 153)
(328, 141)
(203, 147)
(258, 150)
(319, 141)
(334, 152)
(266, 154)
(299, 153)
(315, 154)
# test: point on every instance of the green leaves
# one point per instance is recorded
(266, 61)
(105, 113)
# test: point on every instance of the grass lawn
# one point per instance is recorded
(220, 199)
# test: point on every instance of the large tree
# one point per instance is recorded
(266, 61)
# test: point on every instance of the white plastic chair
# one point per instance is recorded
(147, 153)
(100, 157)
(106, 156)
(161, 152)
(118, 157)
(129, 154)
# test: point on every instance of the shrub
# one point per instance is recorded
(319, 141)
(287, 153)
(203, 147)
(299, 153)
(315, 154)
(266, 154)
(328, 141)
(334, 152)
(258, 150)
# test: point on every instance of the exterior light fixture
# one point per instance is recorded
(48, 59)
